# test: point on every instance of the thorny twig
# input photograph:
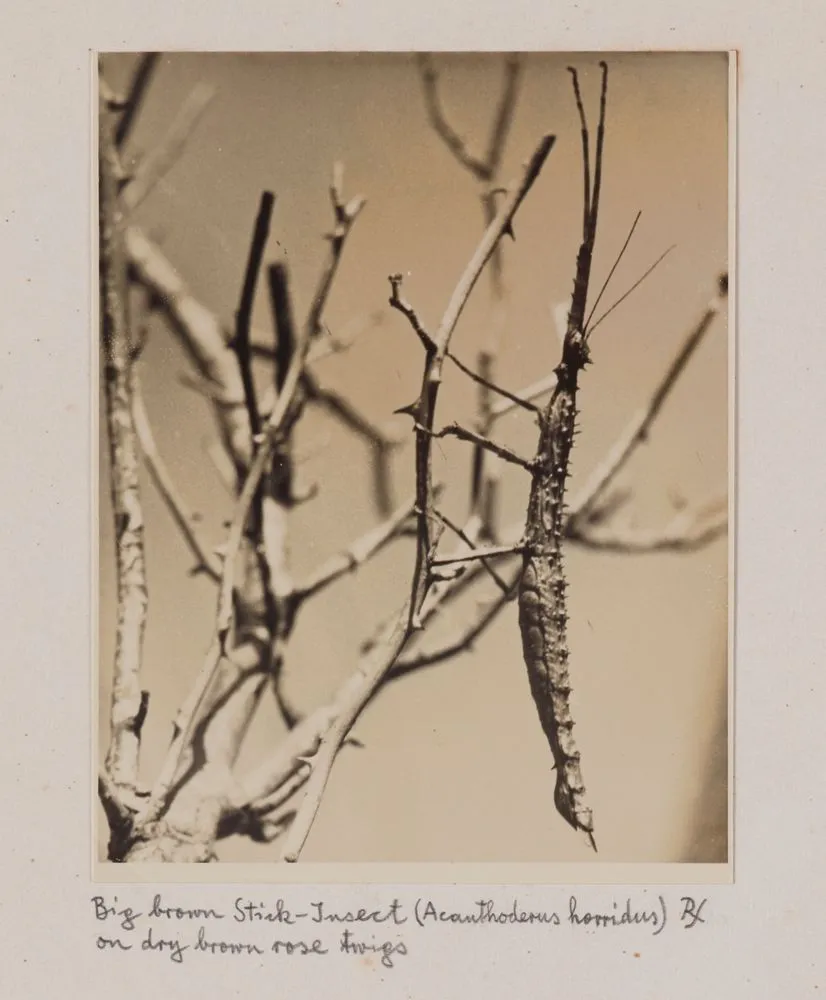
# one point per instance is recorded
(258, 806)
(272, 434)
(485, 475)
(378, 662)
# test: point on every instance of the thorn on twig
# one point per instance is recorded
(411, 410)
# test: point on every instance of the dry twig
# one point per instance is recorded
(128, 707)
(380, 659)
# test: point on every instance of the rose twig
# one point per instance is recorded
(128, 705)
(157, 163)
(358, 553)
(183, 517)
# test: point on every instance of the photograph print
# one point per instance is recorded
(414, 476)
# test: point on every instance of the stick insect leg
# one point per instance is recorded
(483, 554)
(526, 404)
(456, 430)
(477, 553)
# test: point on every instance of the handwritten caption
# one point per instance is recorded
(254, 928)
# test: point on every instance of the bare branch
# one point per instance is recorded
(160, 160)
(358, 553)
(486, 615)
(202, 336)
(302, 742)
(345, 216)
(483, 480)
(425, 408)
(403, 306)
(162, 478)
(352, 698)
(375, 665)
(688, 531)
(381, 444)
(436, 116)
(282, 312)
(243, 319)
(504, 115)
(128, 702)
(352, 418)
(501, 222)
(272, 436)
(344, 339)
(221, 463)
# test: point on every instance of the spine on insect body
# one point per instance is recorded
(542, 607)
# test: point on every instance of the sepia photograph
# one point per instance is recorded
(415, 475)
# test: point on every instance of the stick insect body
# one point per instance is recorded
(543, 616)
(542, 606)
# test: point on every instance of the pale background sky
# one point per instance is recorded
(455, 766)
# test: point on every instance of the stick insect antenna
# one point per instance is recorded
(636, 285)
(611, 272)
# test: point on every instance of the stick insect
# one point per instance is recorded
(542, 588)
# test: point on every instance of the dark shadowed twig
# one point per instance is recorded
(146, 65)
(381, 444)
(243, 317)
(454, 142)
